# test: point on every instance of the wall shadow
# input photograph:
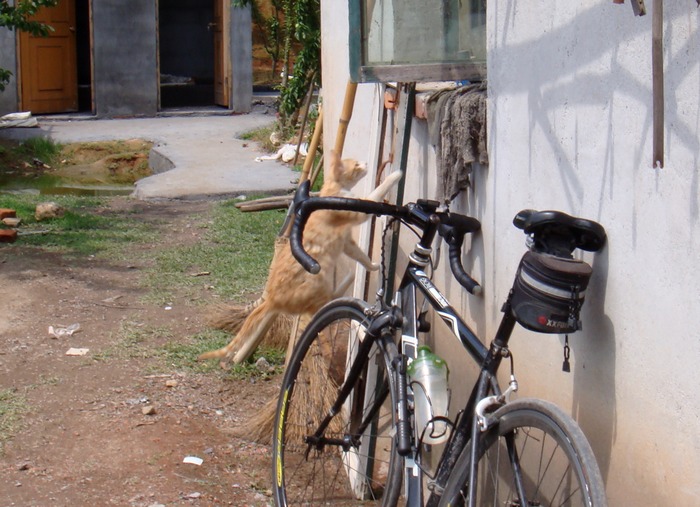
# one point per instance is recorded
(594, 403)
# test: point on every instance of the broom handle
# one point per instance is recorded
(313, 146)
(345, 116)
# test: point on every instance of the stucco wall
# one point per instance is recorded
(570, 116)
(8, 61)
(125, 69)
(241, 51)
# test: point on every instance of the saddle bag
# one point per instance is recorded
(548, 292)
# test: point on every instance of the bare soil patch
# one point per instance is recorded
(87, 436)
(118, 162)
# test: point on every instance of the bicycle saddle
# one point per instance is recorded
(555, 230)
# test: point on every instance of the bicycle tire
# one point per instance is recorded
(557, 462)
(305, 475)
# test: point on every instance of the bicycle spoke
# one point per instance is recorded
(336, 446)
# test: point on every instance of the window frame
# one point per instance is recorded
(362, 72)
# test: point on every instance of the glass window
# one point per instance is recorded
(417, 40)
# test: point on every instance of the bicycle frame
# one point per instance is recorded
(551, 232)
(415, 280)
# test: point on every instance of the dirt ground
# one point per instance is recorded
(103, 429)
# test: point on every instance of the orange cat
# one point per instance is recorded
(292, 290)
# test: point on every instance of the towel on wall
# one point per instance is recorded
(457, 130)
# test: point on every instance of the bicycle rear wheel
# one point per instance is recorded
(557, 465)
(353, 460)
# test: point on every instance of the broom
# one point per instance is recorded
(259, 427)
(231, 317)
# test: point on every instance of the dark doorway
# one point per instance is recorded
(186, 45)
(82, 29)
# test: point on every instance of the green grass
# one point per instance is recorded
(40, 148)
(236, 252)
(184, 356)
(86, 228)
(132, 341)
(12, 407)
(261, 136)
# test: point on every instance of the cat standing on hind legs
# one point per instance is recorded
(290, 289)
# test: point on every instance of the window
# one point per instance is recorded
(417, 40)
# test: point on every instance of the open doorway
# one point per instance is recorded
(190, 47)
(84, 53)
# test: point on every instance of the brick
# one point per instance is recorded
(8, 235)
(7, 213)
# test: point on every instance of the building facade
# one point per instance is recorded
(574, 124)
(131, 58)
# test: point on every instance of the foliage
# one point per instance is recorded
(18, 17)
(295, 24)
(16, 154)
(270, 28)
(306, 18)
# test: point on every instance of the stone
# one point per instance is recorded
(148, 410)
(48, 210)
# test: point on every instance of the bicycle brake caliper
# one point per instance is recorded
(488, 405)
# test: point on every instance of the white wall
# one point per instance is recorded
(570, 119)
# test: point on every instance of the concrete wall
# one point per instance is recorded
(9, 98)
(241, 51)
(570, 116)
(8, 61)
(125, 57)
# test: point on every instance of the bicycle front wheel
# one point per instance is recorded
(535, 455)
(352, 459)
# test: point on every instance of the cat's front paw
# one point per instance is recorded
(373, 266)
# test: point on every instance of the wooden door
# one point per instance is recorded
(220, 78)
(48, 65)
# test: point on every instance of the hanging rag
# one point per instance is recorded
(457, 130)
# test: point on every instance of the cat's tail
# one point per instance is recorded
(242, 346)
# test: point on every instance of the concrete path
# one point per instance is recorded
(193, 156)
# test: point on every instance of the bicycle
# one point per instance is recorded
(344, 431)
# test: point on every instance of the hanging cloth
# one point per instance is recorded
(457, 130)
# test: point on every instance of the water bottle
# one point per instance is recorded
(427, 375)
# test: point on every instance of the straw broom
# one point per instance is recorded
(259, 428)
(231, 317)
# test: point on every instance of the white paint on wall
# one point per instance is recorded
(570, 128)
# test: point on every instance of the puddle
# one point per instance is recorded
(86, 169)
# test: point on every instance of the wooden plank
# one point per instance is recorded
(657, 70)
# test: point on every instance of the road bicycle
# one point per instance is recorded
(345, 432)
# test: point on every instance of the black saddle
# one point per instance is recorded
(557, 233)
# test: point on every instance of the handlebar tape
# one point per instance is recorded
(453, 228)
(296, 235)
(304, 206)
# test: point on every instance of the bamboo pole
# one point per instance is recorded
(345, 115)
(313, 147)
